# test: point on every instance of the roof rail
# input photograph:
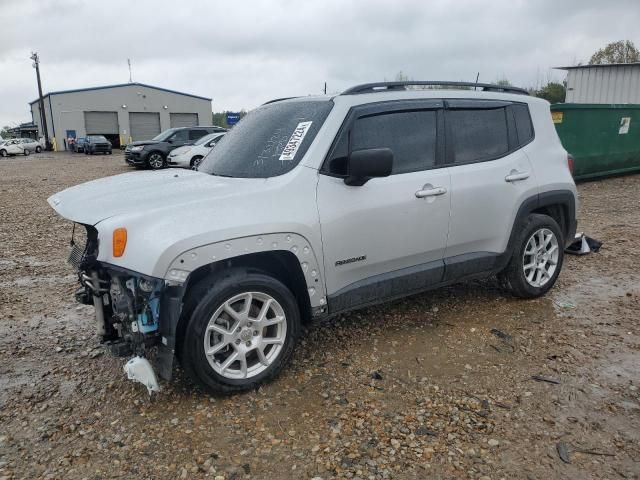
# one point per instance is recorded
(277, 100)
(390, 86)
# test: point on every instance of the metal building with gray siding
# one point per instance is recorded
(616, 83)
(122, 113)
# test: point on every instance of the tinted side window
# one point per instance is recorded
(196, 134)
(410, 135)
(524, 127)
(478, 134)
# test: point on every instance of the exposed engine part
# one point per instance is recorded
(120, 348)
(127, 306)
(97, 302)
(140, 370)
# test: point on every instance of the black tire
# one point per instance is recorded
(153, 161)
(195, 162)
(26, 152)
(38, 149)
(3, 153)
(202, 302)
(513, 278)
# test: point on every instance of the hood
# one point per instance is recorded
(180, 150)
(144, 142)
(148, 192)
(167, 213)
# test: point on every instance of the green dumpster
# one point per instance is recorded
(603, 139)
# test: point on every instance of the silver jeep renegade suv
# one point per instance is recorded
(313, 206)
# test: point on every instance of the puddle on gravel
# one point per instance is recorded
(595, 289)
(7, 264)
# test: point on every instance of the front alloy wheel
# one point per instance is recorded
(156, 161)
(242, 328)
(195, 163)
(245, 335)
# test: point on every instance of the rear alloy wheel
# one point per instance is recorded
(26, 152)
(195, 163)
(38, 149)
(155, 161)
(540, 258)
(536, 259)
(3, 153)
(241, 333)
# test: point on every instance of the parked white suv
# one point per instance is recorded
(314, 206)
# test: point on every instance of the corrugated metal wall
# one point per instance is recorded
(604, 84)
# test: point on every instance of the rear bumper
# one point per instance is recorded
(572, 228)
(99, 149)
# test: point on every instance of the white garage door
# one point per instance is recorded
(183, 120)
(101, 123)
(144, 125)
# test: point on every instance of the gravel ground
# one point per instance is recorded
(438, 385)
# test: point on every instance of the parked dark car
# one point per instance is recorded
(78, 146)
(153, 153)
(97, 144)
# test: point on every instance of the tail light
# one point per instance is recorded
(570, 162)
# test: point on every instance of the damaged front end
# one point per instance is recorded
(135, 314)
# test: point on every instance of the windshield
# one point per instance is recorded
(96, 138)
(269, 141)
(164, 135)
(206, 138)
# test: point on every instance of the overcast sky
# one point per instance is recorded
(243, 53)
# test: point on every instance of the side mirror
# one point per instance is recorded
(363, 165)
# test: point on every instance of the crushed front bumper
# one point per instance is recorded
(135, 314)
(135, 158)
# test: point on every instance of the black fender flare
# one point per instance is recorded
(563, 198)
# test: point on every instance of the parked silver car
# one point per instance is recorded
(34, 146)
(314, 206)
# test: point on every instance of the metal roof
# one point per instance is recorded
(574, 67)
(59, 92)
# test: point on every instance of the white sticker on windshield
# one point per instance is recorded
(295, 141)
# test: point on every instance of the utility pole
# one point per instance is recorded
(129, 63)
(325, 88)
(43, 114)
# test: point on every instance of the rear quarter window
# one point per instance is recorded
(477, 134)
(524, 127)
